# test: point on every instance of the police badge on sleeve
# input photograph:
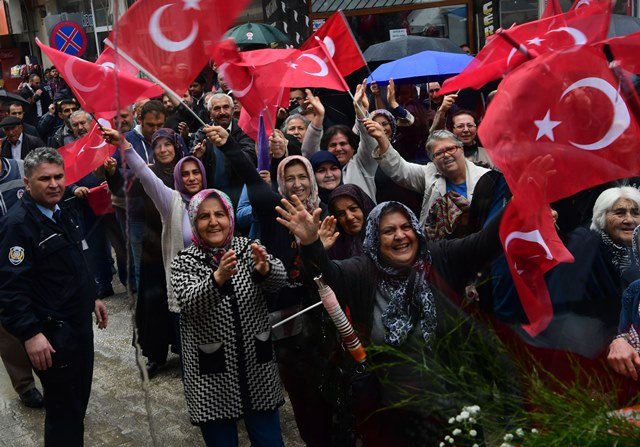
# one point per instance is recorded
(16, 255)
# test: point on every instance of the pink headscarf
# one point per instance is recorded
(313, 201)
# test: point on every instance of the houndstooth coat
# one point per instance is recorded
(229, 365)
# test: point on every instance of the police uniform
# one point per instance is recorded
(12, 352)
(45, 286)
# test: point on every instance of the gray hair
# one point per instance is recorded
(605, 203)
(39, 156)
(439, 135)
(81, 112)
(219, 96)
(295, 116)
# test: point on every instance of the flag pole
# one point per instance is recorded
(129, 59)
(297, 314)
(528, 53)
(631, 98)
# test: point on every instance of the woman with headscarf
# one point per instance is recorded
(391, 290)
(302, 345)
(326, 169)
(220, 284)
(180, 181)
(350, 206)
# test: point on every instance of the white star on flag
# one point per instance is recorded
(292, 65)
(545, 126)
(191, 4)
(535, 41)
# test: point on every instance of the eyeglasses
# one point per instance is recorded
(464, 125)
(446, 151)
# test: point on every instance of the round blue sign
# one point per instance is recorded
(69, 37)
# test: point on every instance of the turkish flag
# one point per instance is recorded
(313, 68)
(340, 42)
(568, 105)
(95, 86)
(506, 50)
(85, 154)
(625, 51)
(247, 85)
(532, 248)
(109, 58)
(579, 3)
(552, 8)
(250, 124)
(168, 39)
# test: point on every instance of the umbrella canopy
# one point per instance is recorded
(6, 96)
(408, 45)
(256, 34)
(421, 67)
(622, 25)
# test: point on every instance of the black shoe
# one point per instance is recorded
(152, 367)
(32, 398)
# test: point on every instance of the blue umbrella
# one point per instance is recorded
(421, 67)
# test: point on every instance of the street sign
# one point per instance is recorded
(69, 37)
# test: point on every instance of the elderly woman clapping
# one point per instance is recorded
(220, 282)
(391, 291)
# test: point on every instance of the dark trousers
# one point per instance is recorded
(263, 429)
(67, 391)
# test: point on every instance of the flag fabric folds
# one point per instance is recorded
(85, 154)
(168, 39)
(95, 85)
(336, 34)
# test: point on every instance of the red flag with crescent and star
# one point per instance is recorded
(569, 127)
(168, 39)
(507, 49)
(109, 58)
(567, 104)
(336, 34)
(95, 85)
(313, 68)
(86, 154)
(532, 248)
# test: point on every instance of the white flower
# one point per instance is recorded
(456, 432)
(519, 432)
(450, 440)
(473, 409)
(472, 433)
(534, 431)
(464, 415)
(504, 444)
(446, 438)
(508, 437)
(459, 418)
(472, 421)
(475, 445)
(452, 420)
(442, 444)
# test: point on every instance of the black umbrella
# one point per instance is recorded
(6, 96)
(406, 46)
(622, 25)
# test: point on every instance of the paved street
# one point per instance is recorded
(117, 414)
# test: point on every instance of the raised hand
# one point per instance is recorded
(447, 102)
(360, 100)
(327, 232)
(299, 221)
(216, 134)
(376, 131)
(112, 136)
(227, 268)
(391, 94)
(259, 254)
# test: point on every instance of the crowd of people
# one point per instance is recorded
(393, 202)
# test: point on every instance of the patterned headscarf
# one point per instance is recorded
(313, 201)
(215, 252)
(405, 306)
(620, 254)
(178, 184)
(392, 121)
(635, 247)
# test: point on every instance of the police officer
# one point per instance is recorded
(47, 295)
(12, 352)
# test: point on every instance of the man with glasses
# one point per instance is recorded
(449, 171)
(464, 126)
